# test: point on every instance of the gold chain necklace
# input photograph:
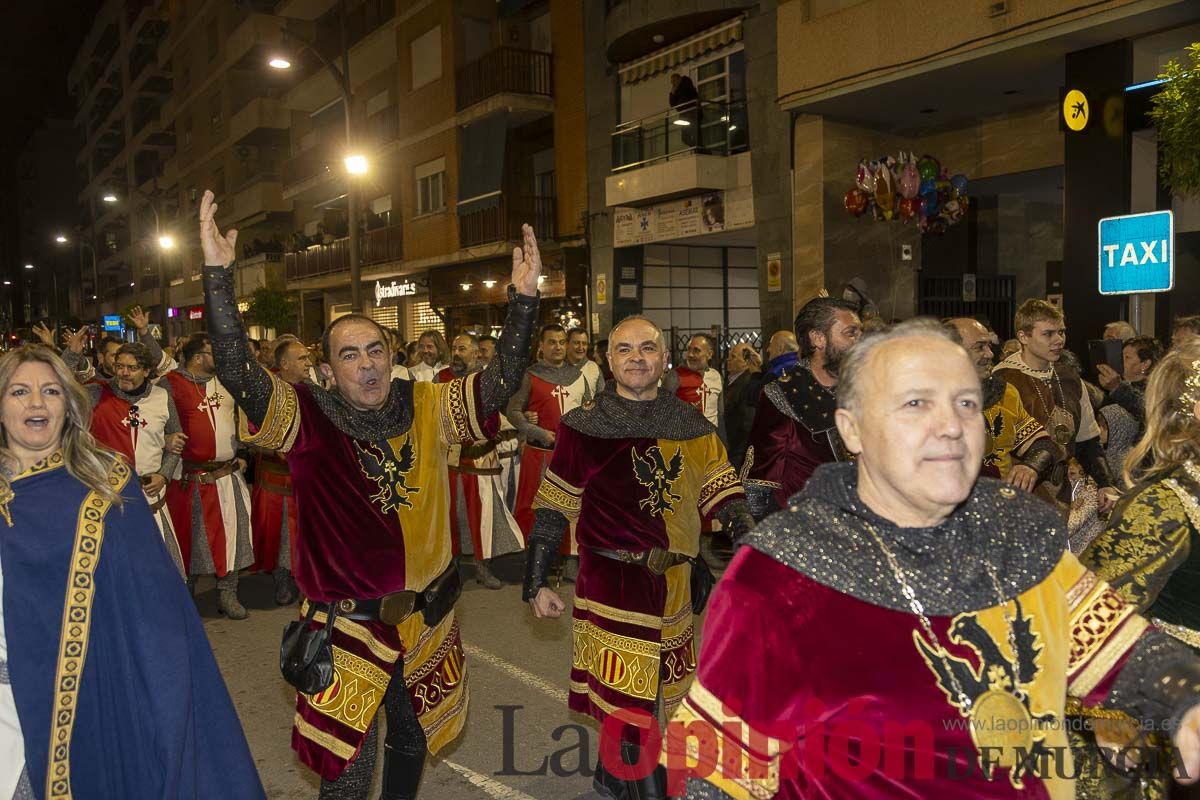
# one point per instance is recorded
(999, 721)
(1059, 421)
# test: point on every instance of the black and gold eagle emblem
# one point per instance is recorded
(389, 473)
(995, 673)
(653, 472)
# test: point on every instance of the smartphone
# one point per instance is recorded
(1107, 351)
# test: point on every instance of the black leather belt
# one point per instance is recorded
(656, 559)
(394, 608)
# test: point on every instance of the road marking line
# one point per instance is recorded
(520, 674)
(494, 788)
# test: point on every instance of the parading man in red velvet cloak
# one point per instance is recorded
(639, 470)
(696, 382)
(368, 467)
(551, 388)
(793, 430)
(934, 619)
(480, 523)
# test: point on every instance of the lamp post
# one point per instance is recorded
(164, 242)
(355, 164)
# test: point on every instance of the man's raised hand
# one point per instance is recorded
(45, 334)
(139, 318)
(219, 251)
(527, 264)
(76, 340)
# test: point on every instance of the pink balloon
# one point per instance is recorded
(910, 180)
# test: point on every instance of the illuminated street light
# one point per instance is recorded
(279, 63)
(109, 198)
(356, 165)
(29, 266)
(60, 239)
(166, 242)
(8, 283)
(489, 283)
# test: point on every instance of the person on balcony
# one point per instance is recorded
(685, 101)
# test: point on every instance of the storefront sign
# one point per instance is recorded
(774, 272)
(112, 323)
(682, 219)
(195, 313)
(1137, 253)
(601, 289)
(389, 294)
(1075, 111)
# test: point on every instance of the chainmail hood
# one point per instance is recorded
(563, 375)
(824, 536)
(392, 420)
(611, 416)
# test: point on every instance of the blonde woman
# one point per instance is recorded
(108, 686)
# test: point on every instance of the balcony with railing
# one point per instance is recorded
(506, 70)
(705, 128)
(502, 222)
(677, 152)
(375, 247)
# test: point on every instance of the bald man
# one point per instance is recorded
(1019, 450)
(783, 351)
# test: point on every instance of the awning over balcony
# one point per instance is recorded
(675, 54)
(481, 167)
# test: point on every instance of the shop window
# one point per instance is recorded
(431, 186)
(387, 316)
(421, 318)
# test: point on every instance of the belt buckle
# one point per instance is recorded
(346, 606)
(658, 560)
(396, 607)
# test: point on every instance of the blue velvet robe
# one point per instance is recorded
(153, 718)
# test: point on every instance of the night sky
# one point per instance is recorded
(44, 38)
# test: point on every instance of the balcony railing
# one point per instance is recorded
(503, 222)
(375, 247)
(506, 69)
(706, 128)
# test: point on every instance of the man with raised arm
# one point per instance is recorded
(368, 465)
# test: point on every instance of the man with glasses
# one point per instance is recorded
(1019, 450)
(210, 505)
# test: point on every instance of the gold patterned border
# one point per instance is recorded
(1184, 634)
(718, 487)
(355, 631)
(619, 614)
(322, 739)
(1190, 506)
(1030, 431)
(559, 495)
(76, 629)
(281, 424)
(458, 414)
(622, 663)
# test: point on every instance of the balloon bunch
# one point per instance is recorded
(906, 188)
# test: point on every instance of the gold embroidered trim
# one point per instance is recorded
(1184, 634)
(1030, 431)
(459, 417)
(1081, 589)
(1114, 648)
(53, 461)
(281, 423)
(557, 494)
(355, 631)
(622, 663)
(718, 487)
(620, 614)
(356, 692)
(76, 625)
(323, 739)
(1093, 623)
(764, 484)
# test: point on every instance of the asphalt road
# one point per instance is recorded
(513, 660)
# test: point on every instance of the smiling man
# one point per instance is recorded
(1054, 395)
(368, 467)
(943, 624)
(637, 470)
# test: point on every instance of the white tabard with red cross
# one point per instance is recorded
(552, 400)
(702, 390)
(207, 415)
(135, 430)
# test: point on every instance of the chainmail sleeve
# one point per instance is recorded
(161, 362)
(502, 377)
(171, 462)
(237, 368)
(1160, 681)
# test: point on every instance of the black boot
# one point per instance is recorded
(608, 785)
(401, 772)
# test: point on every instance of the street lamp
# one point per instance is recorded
(165, 242)
(60, 239)
(355, 164)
